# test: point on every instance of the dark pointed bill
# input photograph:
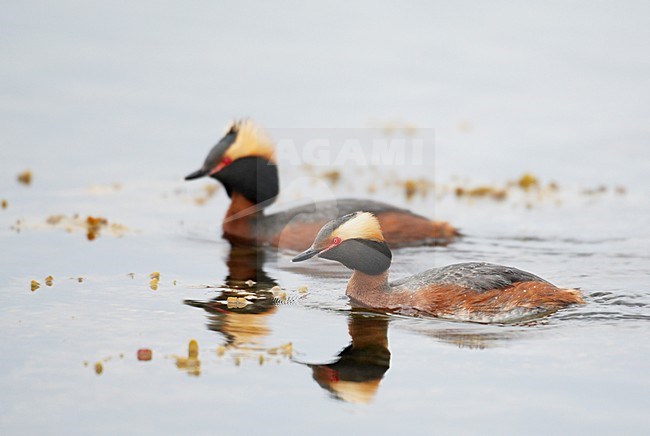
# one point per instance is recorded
(214, 156)
(307, 254)
(197, 174)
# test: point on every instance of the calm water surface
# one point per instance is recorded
(109, 119)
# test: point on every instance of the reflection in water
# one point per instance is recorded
(471, 339)
(191, 363)
(465, 335)
(355, 375)
(246, 264)
(241, 309)
(240, 313)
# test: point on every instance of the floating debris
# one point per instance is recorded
(49, 280)
(527, 181)
(191, 363)
(333, 176)
(35, 285)
(104, 189)
(25, 177)
(54, 219)
(410, 189)
(92, 226)
(153, 284)
(80, 279)
(99, 368)
(250, 351)
(595, 191)
(481, 191)
(303, 289)
(154, 275)
(419, 186)
(285, 350)
(132, 275)
(4, 203)
(144, 354)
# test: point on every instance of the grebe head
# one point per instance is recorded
(243, 161)
(355, 240)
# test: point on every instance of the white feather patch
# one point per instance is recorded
(363, 226)
(251, 141)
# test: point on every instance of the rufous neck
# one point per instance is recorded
(240, 207)
(239, 220)
(368, 290)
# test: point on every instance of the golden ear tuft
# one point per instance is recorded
(363, 225)
(251, 140)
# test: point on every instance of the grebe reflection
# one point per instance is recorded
(355, 375)
(240, 309)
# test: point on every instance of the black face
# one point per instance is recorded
(369, 257)
(253, 177)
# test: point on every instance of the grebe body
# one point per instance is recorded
(476, 292)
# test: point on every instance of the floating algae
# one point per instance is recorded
(92, 226)
(333, 177)
(527, 181)
(191, 363)
(25, 177)
(144, 354)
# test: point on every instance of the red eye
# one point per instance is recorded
(336, 241)
(221, 165)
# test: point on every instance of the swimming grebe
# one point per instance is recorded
(477, 292)
(244, 162)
